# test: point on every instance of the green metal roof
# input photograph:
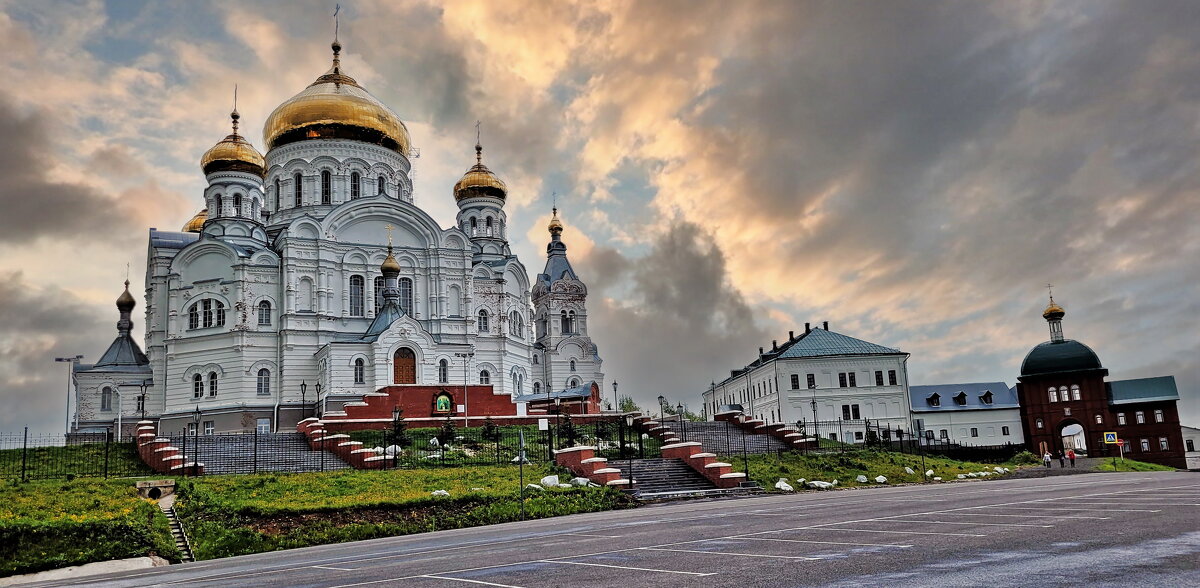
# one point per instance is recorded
(1060, 356)
(821, 343)
(1143, 390)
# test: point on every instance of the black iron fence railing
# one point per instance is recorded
(26, 456)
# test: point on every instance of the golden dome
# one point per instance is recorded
(390, 265)
(336, 107)
(1053, 310)
(233, 153)
(479, 181)
(197, 222)
(555, 226)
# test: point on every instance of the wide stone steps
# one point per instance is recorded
(242, 454)
(652, 476)
(724, 438)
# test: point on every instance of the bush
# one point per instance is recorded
(1025, 458)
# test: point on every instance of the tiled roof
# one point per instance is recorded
(581, 391)
(821, 343)
(1002, 396)
(1143, 390)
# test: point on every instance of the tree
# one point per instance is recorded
(626, 404)
(447, 432)
(399, 430)
(490, 431)
(567, 433)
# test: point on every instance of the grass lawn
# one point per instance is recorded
(92, 460)
(236, 515)
(50, 524)
(1129, 465)
(845, 467)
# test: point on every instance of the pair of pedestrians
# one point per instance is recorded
(1062, 458)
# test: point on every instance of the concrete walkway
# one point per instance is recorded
(1083, 465)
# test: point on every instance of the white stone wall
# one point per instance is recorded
(989, 423)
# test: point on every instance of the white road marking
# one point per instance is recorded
(337, 569)
(819, 542)
(735, 554)
(466, 580)
(878, 531)
(1049, 514)
(1055, 508)
(591, 535)
(961, 523)
(580, 563)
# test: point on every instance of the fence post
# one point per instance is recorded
(254, 462)
(107, 443)
(745, 457)
(641, 447)
(24, 455)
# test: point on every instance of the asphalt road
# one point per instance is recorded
(1095, 529)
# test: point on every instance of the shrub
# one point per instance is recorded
(1025, 458)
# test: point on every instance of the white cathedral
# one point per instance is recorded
(311, 277)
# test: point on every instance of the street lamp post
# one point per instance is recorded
(558, 418)
(466, 378)
(319, 399)
(662, 401)
(679, 419)
(629, 427)
(196, 442)
(303, 393)
(142, 398)
(813, 403)
(616, 399)
(71, 363)
(395, 430)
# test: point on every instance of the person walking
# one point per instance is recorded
(1046, 459)
(1071, 456)
(1062, 459)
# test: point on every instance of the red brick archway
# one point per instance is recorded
(404, 366)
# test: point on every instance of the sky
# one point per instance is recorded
(913, 172)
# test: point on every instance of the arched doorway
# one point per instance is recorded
(404, 366)
(1073, 436)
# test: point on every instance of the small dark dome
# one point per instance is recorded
(125, 302)
(1060, 356)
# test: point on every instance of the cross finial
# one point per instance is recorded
(336, 9)
(234, 116)
(389, 229)
(554, 200)
(1050, 288)
(478, 146)
(127, 273)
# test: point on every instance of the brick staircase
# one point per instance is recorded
(249, 453)
(659, 477)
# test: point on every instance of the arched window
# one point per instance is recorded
(357, 285)
(264, 313)
(298, 189)
(197, 386)
(278, 196)
(381, 187)
(355, 186)
(218, 207)
(1039, 423)
(571, 321)
(206, 312)
(488, 225)
(1075, 392)
(537, 387)
(443, 372)
(106, 399)
(212, 384)
(535, 360)
(573, 382)
(572, 366)
(406, 295)
(237, 205)
(220, 310)
(326, 187)
(264, 382)
(360, 371)
(378, 284)
(194, 316)
(485, 377)
(474, 226)
(483, 321)
(1054, 394)
(516, 383)
(514, 324)
(563, 322)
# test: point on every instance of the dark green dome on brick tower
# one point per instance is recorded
(1058, 354)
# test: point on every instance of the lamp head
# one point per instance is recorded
(662, 399)
(303, 386)
(196, 416)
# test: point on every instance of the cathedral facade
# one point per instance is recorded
(312, 278)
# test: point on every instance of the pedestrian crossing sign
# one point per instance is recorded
(1110, 438)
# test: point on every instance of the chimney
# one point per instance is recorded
(791, 335)
(807, 328)
(774, 345)
(825, 325)
(760, 350)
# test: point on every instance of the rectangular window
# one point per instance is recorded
(812, 380)
(853, 383)
(974, 432)
(854, 412)
(1162, 444)
(1066, 412)
(1120, 418)
(858, 436)
(1140, 417)
(263, 426)
(878, 377)
(795, 381)
(891, 377)
(1158, 416)
(845, 412)
(842, 379)
(944, 434)
(1145, 445)
(1099, 420)
(833, 436)
(1074, 392)
(209, 427)
(1004, 431)
(1191, 446)
(191, 428)
(929, 435)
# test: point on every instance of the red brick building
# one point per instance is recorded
(1067, 404)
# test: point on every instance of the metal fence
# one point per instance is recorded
(25, 456)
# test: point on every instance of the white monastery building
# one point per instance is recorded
(819, 375)
(981, 413)
(312, 277)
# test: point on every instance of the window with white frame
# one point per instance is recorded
(212, 384)
(355, 186)
(360, 371)
(485, 377)
(1039, 423)
(1121, 418)
(106, 395)
(197, 386)
(1145, 445)
(443, 371)
(483, 321)
(264, 313)
(1158, 416)
(795, 381)
(263, 426)
(1163, 445)
(1053, 394)
(406, 295)
(264, 382)
(1004, 431)
(378, 285)
(358, 287)
(1099, 420)
(1075, 392)
(210, 427)
(1140, 417)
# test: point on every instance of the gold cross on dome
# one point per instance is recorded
(389, 228)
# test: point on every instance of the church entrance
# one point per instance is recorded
(1073, 437)
(404, 366)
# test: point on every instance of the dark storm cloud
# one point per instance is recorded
(39, 325)
(682, 324)
(33, 204)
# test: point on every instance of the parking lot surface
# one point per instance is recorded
(1093, 529)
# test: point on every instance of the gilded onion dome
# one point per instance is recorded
(1053, 311)
(197, 222)
(390, 266)
(479, 181)
(555, 226)
(336, 107)
(234, 153)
